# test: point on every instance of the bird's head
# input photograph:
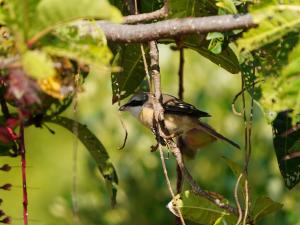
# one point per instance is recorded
(135, 104)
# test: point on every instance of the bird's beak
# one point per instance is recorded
(123, 108)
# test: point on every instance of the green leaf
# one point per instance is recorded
(264, 206)
(198, 209)
(3, 16)
(269, 66)
(216, 42)
(235, 167)
(143, 6)
(80, 44)
(95, 148)
(286, 143)
(279, 95)
(293, 66)
(275, 20)
(227, 5)
(38, 64)
(50, 13)
(226, 59)
(129, 57)
(6, 150)
(192, 8)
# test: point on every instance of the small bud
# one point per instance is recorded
(5, 167)
(6, 220)
(6, 187)
(2, 213)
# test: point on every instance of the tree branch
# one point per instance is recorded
(144, 17)
(161, 133)
(171, 28)
(195, 187)
(158, 109)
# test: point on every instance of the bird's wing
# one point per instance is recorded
(174, 105)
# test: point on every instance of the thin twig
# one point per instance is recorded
(236, 197)
(246, 151)
(75, 210)
(291, 155)
(179, 178)
(4, 107)
(246, 200)
(165, 171)
(233, 107)
(24, 183)
(145, 17)
(146, 66)
(195, 187)
(158, 109)
(247, 157)
(168, 182)
(180, 73)
(248, 132)
(126, 134)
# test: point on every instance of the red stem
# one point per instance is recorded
(23, 162)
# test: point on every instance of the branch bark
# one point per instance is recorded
(171, 28)
(144, 17)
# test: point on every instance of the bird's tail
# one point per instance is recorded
(206, 128)
(198, 137)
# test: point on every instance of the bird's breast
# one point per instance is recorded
(176, 124)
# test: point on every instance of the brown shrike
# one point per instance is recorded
(181, 120)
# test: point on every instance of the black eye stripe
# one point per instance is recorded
(135, 103)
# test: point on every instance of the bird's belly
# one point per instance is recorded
(177, 124)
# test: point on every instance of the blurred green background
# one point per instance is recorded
(142, 194)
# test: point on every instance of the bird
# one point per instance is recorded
(181, 119)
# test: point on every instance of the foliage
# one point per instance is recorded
(51, 53)
(96, 149)
(286, 146)
(52, 59)
(199, 210)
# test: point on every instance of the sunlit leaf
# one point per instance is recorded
(293, 66)
(124, 83)
(50, 13)
(275, 90)
(95, 148)
(3, 15)
(198, 209)
(192, 8)
(286, 142)
(80, 44)
(22, 16)
(38, 64)
(275, 20)
(264, 206)
(226, 59)
(216, 42)
(227, 5)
